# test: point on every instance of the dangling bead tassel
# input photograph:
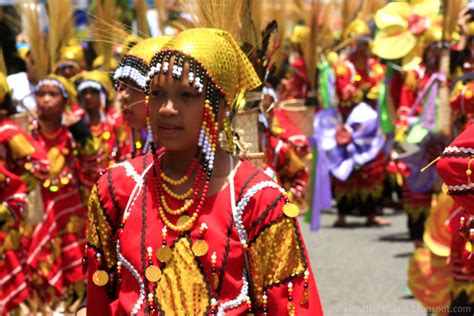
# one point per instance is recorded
(264, 303)
(249, 307)
(149, 136)
(214, 277)
(291, 305)
(304, 298)
(119, 271)
(213, 306)
(132, 143)
(469, 244)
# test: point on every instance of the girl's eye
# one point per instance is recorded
(121, 86)
(156, 93)
(188, 95)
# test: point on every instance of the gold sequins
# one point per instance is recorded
(182, 289)
(99, 232)
(276, 255)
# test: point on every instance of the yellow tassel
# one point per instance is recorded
(430, 164)
(304, 299)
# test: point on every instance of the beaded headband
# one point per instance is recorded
(52, 82)
(134, 66)
(91, 84)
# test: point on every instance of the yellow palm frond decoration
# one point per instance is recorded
(36, 36)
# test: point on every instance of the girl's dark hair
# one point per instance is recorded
(458, 58)
(7, 105)
(8, 45)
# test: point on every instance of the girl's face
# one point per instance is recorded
(50, 101)
(91, 99)
(133, 104)
(68, 70)
(176, 111)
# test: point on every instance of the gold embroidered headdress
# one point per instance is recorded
(216, 55)
(71, 55)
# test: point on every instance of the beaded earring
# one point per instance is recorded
(194, 198)
(149, 134)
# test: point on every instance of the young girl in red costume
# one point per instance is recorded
(189, 229)
(57, 245)
(21, 157)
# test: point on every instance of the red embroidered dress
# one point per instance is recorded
(20, 155)
(57, 245)
(214, 282)
(114, 139)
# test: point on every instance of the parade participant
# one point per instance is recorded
(130, 78)
(24, 81)
(416, 116)
(455, 169)
(296, 84)
(71, 61)
(282, 161)
(21, 157)
(57, 245)
(357, 78)
(228, 241)
(463, 83)
(96, 95)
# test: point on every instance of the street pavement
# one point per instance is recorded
(362, 270)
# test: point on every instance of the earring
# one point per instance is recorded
(149, 136)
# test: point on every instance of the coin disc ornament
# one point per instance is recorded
(200, 248)
(291, 210)
(153, 274)
(100, 278)
(164, 254)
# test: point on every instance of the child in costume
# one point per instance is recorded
(190, 229)
(57, 244)
(21, 157)
(130, 79)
